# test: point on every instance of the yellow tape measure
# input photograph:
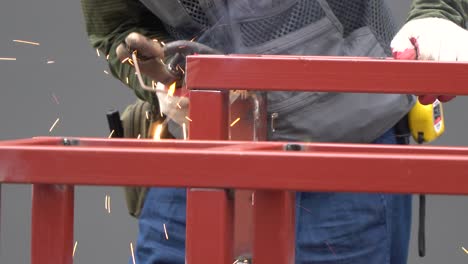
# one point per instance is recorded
(426, 122)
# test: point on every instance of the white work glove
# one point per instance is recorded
(431, 39)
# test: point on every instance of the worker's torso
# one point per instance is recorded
(299, 27)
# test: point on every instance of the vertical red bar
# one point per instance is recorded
(274, 227)
(209, 112)
(52, 224)
(209, 226)
(209, 211)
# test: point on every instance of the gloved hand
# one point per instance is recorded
(150, 56)
(151, 62)
(431, 39)
(165, 64)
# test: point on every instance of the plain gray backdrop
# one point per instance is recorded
(84, 93)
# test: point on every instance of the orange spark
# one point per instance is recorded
(178, 105)
(464, 249)
(108, 204)
(8, 59)
(107, 57)
(126, 79)
(125, 60)
(55, 123)
(138, 137)
(55, 98)
(235, 121)
(26, 42)
(188, 118)
(133, 255)
(111, 133)
(106, 72)
(74, 248)
(50, 61)
(105, 202)
(180, 68)
(162, 43)
(184, 130)
(99, 54)
(165, 232)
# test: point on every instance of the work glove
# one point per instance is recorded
(165, 65)
(431, 39)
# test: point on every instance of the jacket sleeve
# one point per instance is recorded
(108, 22)
(453, 10)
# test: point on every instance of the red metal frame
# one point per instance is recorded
(219, 227)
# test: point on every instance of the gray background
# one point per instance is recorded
(85, 92)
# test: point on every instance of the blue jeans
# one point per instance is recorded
(357, 228)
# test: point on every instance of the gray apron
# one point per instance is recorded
(299, 27)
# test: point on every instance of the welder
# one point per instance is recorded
(336, 227)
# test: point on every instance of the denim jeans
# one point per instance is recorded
(357, 228)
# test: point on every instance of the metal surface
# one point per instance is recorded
(52, 224)
(400, 169)
(329, 74)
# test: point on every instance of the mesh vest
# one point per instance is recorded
(299, 27)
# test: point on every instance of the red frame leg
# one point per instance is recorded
(209, 227)
(209, 211)
(274, 227)
(52, 224)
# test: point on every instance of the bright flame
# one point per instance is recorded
(157, 133)
(171, 90)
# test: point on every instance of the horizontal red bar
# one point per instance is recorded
(50, 141)
(324, 167)
(332, 74)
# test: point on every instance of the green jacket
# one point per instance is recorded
(108, 22)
